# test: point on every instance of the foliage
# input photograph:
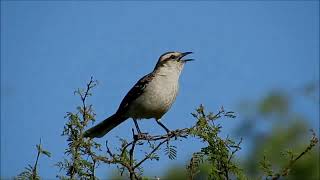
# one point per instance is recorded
(292, 158)
(31, 172)
(218, 152)
(77, 166)
(276, 102)
(215, 160)
(283, 138)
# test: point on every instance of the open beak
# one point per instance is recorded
(183, 55)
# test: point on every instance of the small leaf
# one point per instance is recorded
(45, 152)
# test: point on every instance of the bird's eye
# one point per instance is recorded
(172, 56)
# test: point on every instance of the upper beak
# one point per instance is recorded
(184, 54)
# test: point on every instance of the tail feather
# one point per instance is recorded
(104, 127)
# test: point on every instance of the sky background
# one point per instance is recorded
(48, 49)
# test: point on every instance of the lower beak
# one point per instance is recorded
(186, 60)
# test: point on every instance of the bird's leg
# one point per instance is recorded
(138, 129)
(163, 126)
(137, 126)
(167, 130)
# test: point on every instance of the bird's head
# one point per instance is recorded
(173, 60)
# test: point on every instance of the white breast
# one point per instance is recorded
(157, 98)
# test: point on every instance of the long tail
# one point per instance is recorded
(104, 127)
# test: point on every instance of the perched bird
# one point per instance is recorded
(151, 97)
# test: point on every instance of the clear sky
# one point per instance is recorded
(48, 49)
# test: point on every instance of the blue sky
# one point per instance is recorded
(48, 49)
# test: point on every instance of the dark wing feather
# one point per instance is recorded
(134, 92)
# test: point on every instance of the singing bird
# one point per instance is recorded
(151, 97)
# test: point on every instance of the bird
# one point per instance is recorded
(150, 98)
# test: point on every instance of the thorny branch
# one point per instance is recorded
(126, 156)
(83, 95)
(149, 155)
(236, 149)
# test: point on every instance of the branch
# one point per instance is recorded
(126, 156)
(285, 172)
(149, 155)
(34, 170)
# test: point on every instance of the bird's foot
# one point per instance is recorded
(171, 134)
(141, 135)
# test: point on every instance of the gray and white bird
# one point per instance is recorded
(151, 97)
